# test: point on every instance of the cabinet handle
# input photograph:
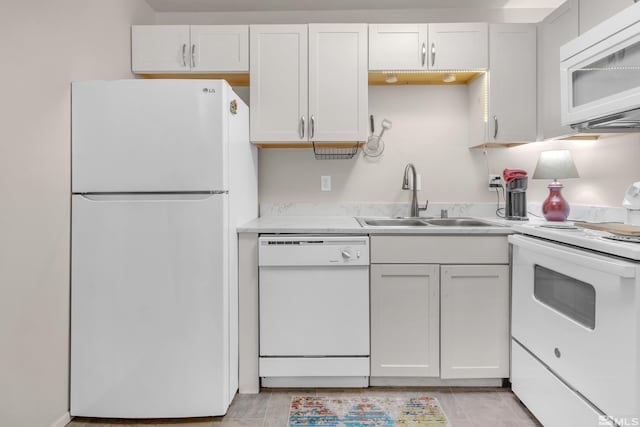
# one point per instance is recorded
(424, 53)
(495, 127)
(184, 54)
(193, 55)
(302, 127)
(433, 54)
(312, 131)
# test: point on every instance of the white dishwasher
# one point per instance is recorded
(314, 310)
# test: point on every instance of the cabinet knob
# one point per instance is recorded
(556, 351)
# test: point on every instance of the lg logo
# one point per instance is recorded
(208, 90)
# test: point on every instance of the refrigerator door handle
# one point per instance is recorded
(106, 197)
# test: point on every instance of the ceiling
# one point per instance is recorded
(278, 5)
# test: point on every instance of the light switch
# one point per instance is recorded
(325, 183)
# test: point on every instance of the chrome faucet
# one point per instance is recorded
(414, 208)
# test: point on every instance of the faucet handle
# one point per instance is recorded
(426, 205)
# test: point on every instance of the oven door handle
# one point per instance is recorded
(622, 269)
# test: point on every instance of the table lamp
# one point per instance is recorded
(555, 164)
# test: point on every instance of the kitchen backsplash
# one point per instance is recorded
(484, 210)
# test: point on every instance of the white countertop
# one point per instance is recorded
(349, 225)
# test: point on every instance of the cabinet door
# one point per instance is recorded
(593, 12)
(160, 48)
(475, 321)
(404, 320)
(458, 46)
(557, 29)
(512, 85)
(219, 48)
(398, 46)
(278, 91)
(338, 86)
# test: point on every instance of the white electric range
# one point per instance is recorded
(575, 325)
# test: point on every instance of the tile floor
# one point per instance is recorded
(465, 407)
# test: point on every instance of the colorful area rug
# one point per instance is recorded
(366, 411)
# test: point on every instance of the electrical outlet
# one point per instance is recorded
(494, 182)
(325, 183)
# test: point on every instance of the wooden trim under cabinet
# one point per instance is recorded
(234, 79)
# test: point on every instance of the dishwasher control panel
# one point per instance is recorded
(293, 250)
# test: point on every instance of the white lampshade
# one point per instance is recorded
(555, 164)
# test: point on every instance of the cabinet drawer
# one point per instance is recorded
(439, 249)
(535, 386)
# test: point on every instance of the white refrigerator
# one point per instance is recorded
(162, 172)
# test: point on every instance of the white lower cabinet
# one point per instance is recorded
(405, 303)
(440, 307)
(474, 321)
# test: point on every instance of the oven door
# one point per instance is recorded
(578, 313)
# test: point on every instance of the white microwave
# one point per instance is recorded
(600, 76)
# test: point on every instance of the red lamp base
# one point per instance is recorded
(555, 207)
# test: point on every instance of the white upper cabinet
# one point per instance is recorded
(160, 48)
(458, 46)
(556, 30)
(428, 46)
(189, 48)
(279, 83)
(512, 83)
(338, 87)
(308, 83)
(398, 46)
(593, 12)
(220, 48)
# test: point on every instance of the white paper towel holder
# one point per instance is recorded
(632, 203)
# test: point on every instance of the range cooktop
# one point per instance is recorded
(595, 240)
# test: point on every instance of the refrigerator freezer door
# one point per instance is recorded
(148, 136)
(149, 285)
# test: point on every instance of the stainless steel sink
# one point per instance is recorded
(460, 222)
(423, 222)
(392, 222)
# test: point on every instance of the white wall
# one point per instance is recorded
(430, 130)
(44, 46)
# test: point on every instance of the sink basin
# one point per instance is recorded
(392, 222)
(460, 222)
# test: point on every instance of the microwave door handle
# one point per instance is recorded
(619, 268)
